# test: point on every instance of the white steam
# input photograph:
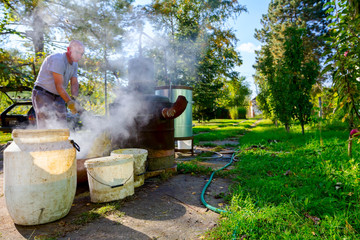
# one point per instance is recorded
(97, 131)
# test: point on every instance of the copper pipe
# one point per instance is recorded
(176, 110)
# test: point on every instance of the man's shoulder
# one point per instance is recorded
(57, 56)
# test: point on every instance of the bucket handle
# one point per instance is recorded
(141, 174)
(114, 186)
(76, 146)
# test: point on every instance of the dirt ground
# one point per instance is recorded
(160, 209)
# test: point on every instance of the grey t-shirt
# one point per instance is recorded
(57, 63)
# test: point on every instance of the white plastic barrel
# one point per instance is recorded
(140, 156)
(110, 178)
(39, 175)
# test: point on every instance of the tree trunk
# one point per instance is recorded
(287, 127)
(302, 128)
(320, 107)
(38, 33)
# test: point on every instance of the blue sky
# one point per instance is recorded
(244, 27)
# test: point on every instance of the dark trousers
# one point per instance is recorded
(50, 110)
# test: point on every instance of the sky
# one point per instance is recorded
(244, 27)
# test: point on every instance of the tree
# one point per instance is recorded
(302, 74)
(15, 70)
(100, 24)
(283, 14)
(202, 53)
(265, 67)
(343, 59)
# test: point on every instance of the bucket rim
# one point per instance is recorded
(108, 160)
(131, 151)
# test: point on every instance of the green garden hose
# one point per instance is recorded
(212, 208)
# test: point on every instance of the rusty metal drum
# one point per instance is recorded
(153, 133)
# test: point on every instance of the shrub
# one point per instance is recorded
(237, 112)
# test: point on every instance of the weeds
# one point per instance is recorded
(102, 211)
(192, 168)
(44, 237)
(5, 137)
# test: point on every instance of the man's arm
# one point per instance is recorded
(59, 79)
(74, 86)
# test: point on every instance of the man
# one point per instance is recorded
(49, 95)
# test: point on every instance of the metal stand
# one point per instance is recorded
(186, 150)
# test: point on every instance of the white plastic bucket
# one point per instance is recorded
(110, 178)
(39, 175)
(140, 156)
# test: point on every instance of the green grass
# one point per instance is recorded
(220, 129)
(293, 188)
(5, 137)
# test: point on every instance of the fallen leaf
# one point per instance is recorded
(220, 204)
(313, 218)
(338, 185)
(193, 193)
(349, 227)
(62, 223)
(243, 236)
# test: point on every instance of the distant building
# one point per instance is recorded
(254, 109)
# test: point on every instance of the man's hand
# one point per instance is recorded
(75, 107)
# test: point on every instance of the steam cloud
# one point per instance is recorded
(95, 138)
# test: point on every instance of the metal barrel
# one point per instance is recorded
(153, 133)
(183, 123)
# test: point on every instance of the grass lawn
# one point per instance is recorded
(5, 137)
(220, 129)
(292, 186)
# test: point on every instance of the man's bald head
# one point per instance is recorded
(76, 44)
(75, 51)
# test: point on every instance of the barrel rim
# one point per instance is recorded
(26, 133)
(173, 87)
